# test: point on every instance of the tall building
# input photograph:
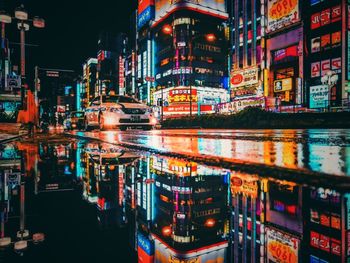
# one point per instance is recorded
(284, 54)
(246, 60)
(88, 88)
(327, 64)
(10, 82)
(111, 57)
(182, 55)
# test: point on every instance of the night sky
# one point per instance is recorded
(72, 28)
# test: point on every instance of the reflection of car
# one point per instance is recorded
(75, 120)
(102, 154)
(109, 111)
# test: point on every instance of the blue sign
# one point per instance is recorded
(314, 2)
(145, 16)
(146, 244)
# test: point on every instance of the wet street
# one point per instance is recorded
(179, 196)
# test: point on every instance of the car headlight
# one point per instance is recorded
(116, 110)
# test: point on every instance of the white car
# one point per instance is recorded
(108, 111)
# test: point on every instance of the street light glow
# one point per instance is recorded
(210, 37)
(167, 29)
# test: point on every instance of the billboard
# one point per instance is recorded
(145, 249)
(212, 7)
(145, 16)
(244, 77)
(281, 247)
(283, 85)
(282, 13)
(319, 96)
(143, 5)
(244, 184)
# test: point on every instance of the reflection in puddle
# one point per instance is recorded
(176, 210)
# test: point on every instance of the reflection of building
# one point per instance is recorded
(105, 182)
(190, 207)
(325, 231)
(326, 37)
(247, 219)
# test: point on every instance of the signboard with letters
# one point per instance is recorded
(244, 77)
(319, 96)
(281, 247)
(283, 85)
(282, 13)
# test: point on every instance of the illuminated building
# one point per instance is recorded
(181, 56)
(10, 82)
(247, 66)
(327, 53)
(284, 55)
(88, 88)
(111, 58)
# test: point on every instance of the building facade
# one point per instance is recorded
(182, 56)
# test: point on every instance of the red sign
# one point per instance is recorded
(314, 239)
(143, 4)
(315, 69)
(149, 79)
(324, 243)
(237, 79)
(325, 17)
(325, 66)
(315, 21)
(336, 64)
(236, 181)
(336, 247)
(181, 109)
(143, 257)
(336, 13)
(285, 52)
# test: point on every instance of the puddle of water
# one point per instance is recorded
(96, 202)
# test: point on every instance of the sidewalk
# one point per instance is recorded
(9, 131)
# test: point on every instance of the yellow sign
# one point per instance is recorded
(283, 85)
(244, 184)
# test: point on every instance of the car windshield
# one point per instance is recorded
(77, 114)
(118, 99)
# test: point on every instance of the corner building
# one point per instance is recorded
(188, 47)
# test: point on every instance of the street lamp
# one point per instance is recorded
(329, 79)
(21, 15)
